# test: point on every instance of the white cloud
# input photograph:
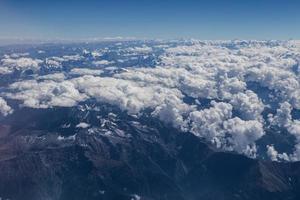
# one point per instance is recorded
(56, 62)
(243, 134)
(275, 156)
(111, 68)
(128, 95)
(17, 55)
(200, 70)
(55, 77)
(140, 50)
(21, 63)
(208, 123)
(96, 54)
(283, 116)
(272, 153)
(82, 125)
(248, 104)
(53, 62)
(46, 94)
(295, 128)
(102, 62)
(172, 111)
(72, 57)
(5, 70)
(230, 86)
(4, 108)
(85, 71)
(62, 138)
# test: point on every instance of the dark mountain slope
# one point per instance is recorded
(127, 158)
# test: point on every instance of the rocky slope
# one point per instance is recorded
(44, 156)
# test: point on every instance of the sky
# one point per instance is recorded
(150, 19)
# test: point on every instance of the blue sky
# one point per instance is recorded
(201, 19)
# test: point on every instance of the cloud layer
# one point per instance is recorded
(217, 78)
(11, 63)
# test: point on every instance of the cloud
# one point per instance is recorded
(128, 95)
(74, 57)
(55, 77)
(275, 156)
(17, 55)
(102, 62)
(86, 71)
(248, 104)
(208, 123)
(4, 108)
(173, 111)
(62, 138)
(243, 135)
(294, 129)
(20, 63)
(46, 94)
(283, 119)
(140, 50)
(5, 70)
(56, 62)
(283, 116)
(220, 72)
(52, 62)
(272, 153)
(82, 125)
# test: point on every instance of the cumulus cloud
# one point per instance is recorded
(5, 70)
(208, 123)
(55, 77)
(294, 129)
(4, 108)
(85, 71)
(52, 62)
(19, 63)
(220, 72)
(72, 57)
(128, 95)
(243, 135)
(173, 111)
(46, 94)
(274, 155)
(17, 55)
(82, 125)
(56, 62)
(102, 62)
(96, 54)
(248, 104)
(140, 50)
(283, 116)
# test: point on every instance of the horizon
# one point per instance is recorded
(39, 41)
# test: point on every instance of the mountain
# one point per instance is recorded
(126, 158)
